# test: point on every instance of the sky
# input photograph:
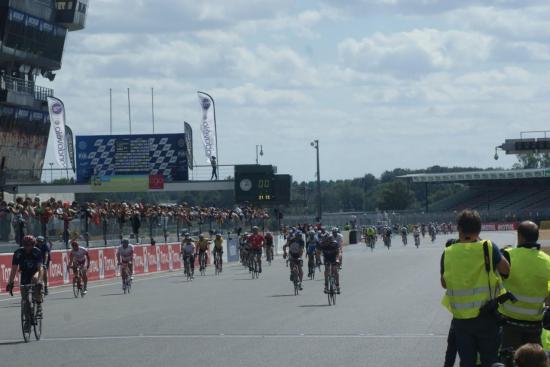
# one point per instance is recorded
(381, 83)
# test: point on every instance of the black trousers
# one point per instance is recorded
(477, 337)
(514, 335)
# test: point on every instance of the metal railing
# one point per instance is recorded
(26, 87)
(108, 231)
(415, 217)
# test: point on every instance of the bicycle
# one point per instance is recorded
(311, 266)
(404, 239)
(370, 242)
(217, 263)
(30, 319)
(255, 266)
(77, 282)
(417, 241)
(126, 277)
(202, 263)
(187, 269)
(295, 276)
(269, 254)
(387, 242)
(331, 284)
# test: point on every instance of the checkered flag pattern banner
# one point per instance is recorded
(152, 155)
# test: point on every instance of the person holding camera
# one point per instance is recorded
(470, 274)
(528, 283)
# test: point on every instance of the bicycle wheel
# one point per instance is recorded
(37, 325)
(25, 321)
(75, 287)
(128, 284)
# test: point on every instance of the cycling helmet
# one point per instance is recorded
(74, 243)
(125, 241)
(28, 240)
(335, 229)
(201, 237)
(218, 234)
(297, 234)
(40, 239)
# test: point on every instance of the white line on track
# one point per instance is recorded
(240, 336)
(139, 278)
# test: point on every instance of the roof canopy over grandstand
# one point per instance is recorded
(512, 191)
(520, 174)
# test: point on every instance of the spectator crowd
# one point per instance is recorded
(33, 216)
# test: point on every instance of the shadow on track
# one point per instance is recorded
(323, 305)
(12, 342)
(282, 295)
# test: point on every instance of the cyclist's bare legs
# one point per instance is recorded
(85, 279)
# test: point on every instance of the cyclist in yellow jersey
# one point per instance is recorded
(218, 249)
(202, 248)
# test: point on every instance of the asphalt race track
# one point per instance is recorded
(388, 314)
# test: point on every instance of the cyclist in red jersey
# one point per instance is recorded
(256, 242)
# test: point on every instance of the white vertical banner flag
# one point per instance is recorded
(57, 139)
(208, 126)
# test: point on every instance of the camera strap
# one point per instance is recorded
(488, 267)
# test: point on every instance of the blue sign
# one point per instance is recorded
(232, 253)
(115, 155)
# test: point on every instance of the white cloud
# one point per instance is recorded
(417, 52)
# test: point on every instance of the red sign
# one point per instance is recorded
(103, 264)
(156, 182)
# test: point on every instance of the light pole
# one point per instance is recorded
(261, 152)
(51, 172)
(315, 144)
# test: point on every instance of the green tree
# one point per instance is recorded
(532, 160)
(395, 196)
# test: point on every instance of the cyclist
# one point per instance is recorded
(202, 248)
(295, 247)
(404, 233)
(432, 231)
(330, 249)
(311, 251)
(339, 238)
(125, 255)
(28, 261)
(45, 251)
(243, 249)
(269, 244)
(386, 235)
(217, 252)
(416, 234)
(256, 242)
(371, 236)
(79, 258)
(188, 252)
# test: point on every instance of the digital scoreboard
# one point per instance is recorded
(259, 184)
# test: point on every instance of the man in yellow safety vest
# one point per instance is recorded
(528, 283)
(469, 275)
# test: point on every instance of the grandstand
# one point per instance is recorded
(508, 191)
(32, 40)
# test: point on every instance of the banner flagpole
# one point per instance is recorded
(215, 129)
